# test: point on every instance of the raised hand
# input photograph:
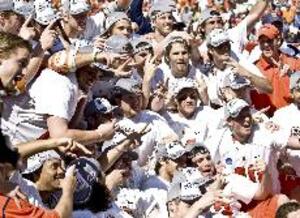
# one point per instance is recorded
(107, 130)
(72, 148)
(150, 67)
(27, 32)
(48, 36)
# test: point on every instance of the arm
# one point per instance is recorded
(30, 148)
(65, 61)
(265, 188)
(107, 160)
(255, 13)
(203, 203)
(248, 71)
(58, 127)
(63, 145)
(64, 206)
(136, 15)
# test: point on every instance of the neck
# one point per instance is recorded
(185, 115)
(158, 36)
(240, 139)
(179, 74)
(163, 173)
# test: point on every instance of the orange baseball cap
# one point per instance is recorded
(269, 31)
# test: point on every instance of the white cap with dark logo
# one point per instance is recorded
(234, 107)
(217, 37)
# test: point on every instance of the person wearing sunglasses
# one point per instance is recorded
(190, 119)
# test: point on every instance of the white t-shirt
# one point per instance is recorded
(159, 130)
(203, 123)
(263, 144)
(24, 117)
(288, 117)
(164, 73)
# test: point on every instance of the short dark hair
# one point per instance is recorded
(285, 209)
(9, 42)
(8, 155)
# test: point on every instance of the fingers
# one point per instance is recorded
(17, 201)
(83, 148)
(70, 171)
(262, 111)
(51, 25)
(19, 194)
(28, 20)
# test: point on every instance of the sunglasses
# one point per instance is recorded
(184, 96)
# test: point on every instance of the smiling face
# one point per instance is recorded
(187, 102)
(11, 69)
(242, 125)
(178, 59)
(51, 173)
(122, 27)
(269, 47)
(163, 23)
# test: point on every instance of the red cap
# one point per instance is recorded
(269, 31)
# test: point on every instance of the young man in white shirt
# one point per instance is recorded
(252, 148)
(191, 120)
(128, 95)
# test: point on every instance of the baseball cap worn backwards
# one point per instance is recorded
(112, 18)
(234, 107)
(98, 106)
(36, 161)
(217, 37)
(118, 44)
(207, 14)
(128, 85)
(268, 30)
(162, 7)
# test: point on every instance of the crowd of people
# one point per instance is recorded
(147, 108)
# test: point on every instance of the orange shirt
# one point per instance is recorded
(281, 92)
(9, 209)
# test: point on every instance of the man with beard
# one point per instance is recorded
(177, 65)
(276, 66)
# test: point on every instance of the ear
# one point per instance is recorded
(2, 21)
